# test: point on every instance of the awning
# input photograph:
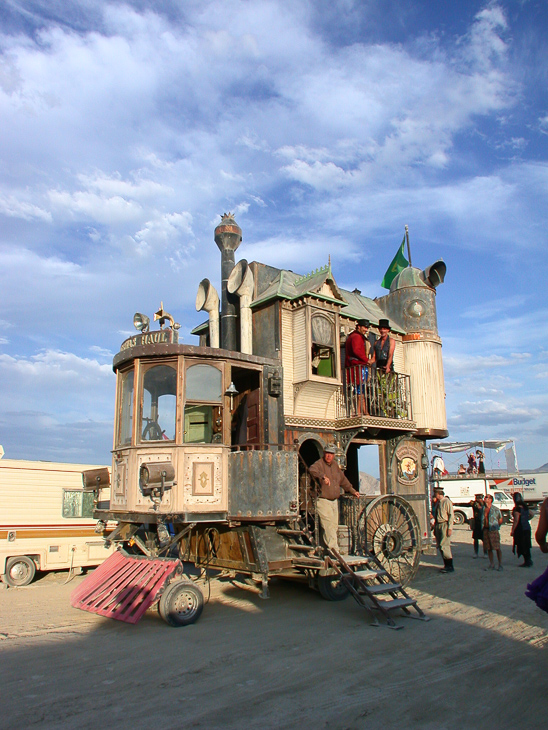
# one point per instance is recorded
(456, 446)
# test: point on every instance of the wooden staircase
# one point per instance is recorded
(365, 578)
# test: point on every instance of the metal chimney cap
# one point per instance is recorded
(228, 234)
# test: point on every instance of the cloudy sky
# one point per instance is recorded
(326, 126)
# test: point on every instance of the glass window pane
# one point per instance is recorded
(159, 404)
(203, 382)
(323, 331)
(126, 414)
(198, 424)
(72, 503)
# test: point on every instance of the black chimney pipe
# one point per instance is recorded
(228, 236)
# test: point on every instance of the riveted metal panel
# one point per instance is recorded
(263, 484)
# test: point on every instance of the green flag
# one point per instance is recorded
(399, 263)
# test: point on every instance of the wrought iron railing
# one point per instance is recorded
(370, 392)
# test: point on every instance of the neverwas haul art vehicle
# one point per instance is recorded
(213, 442)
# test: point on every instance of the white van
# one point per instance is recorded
(46, 520)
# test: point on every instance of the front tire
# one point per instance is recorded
(19, 571)
(332, 588)
(181, 604)
(459, 518)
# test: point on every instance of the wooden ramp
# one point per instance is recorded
(124, 586)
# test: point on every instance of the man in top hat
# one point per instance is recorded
(383, 349)
(331, 478)
(357, 350)
(443, 527)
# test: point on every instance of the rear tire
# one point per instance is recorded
(460, 518)
(19, 571)
(332, 588)
(181, 604)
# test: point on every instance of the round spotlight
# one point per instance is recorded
(141, 322)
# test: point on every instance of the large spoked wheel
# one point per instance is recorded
(332, 588)
(391, 531)
(19, 571)
(181, 604)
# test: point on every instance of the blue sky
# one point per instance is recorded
(326, 127)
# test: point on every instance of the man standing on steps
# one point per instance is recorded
(443, 528)
(331, 478)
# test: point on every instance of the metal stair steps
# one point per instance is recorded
(369, 573)
(303, 548)
(396, 603)
(383, 588)
(291, 533)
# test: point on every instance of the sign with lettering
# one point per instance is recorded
(150, 338)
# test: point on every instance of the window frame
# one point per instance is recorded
(81, 516)
(141, 371)
(333, 318)
(222, 403)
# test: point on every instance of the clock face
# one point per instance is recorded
(416, 308)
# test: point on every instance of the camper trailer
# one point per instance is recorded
(46, 520)
(213, 441)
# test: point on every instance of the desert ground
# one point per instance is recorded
(293, 661)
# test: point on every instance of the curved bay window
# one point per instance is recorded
(203, 405)
(323, 346)
(159, 401)
(126, 409)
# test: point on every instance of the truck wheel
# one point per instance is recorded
(181, 604)
(460, 518)
(332, 588)
(19, 571)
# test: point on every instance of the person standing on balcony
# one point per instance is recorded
(357, 350)
(383, 349)
(331, 478)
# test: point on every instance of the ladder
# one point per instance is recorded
(367, 581)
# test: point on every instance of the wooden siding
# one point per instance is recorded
(287, 359)
(315, 400)
(300, 346)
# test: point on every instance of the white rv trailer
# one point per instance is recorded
(46, 520)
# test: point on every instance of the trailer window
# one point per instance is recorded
(77, 503)
(159, 404)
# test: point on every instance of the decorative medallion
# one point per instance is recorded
(407, 464)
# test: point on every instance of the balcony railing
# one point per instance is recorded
(385, 395)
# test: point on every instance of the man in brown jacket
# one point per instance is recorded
(331, 478)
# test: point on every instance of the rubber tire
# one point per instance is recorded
(331, 588)
(460, 518)
(181, 604)
(24, 566)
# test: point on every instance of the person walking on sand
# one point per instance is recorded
(491, 519)
(477, 528)
(444, 517)
(521, 530)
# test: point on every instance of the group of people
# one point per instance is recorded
(486, 522)
(362, 353)
(476, 464)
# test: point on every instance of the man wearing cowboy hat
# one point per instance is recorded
(443, 527)
(356, 361)
(383, 349)
(331, 478)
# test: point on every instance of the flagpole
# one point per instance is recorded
(408, 246)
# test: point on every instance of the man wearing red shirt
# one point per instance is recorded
(356, 362)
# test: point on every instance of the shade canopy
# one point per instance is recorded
(453, 447)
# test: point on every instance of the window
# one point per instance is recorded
(203, 419)
(159, 404)
(77, 503)
(126, 408)
(323, 346)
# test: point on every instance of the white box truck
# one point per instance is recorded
(532, 485)
(462, 490)
(46, 520)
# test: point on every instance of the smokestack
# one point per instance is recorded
(208, 300)
(228, 236)
(240, 282)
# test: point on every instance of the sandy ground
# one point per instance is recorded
(294, 661)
